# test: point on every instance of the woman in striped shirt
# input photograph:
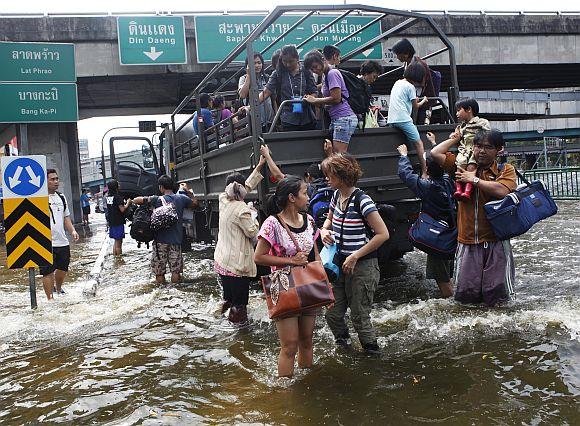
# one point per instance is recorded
(355, 224)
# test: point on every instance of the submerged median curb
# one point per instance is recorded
(90, 288)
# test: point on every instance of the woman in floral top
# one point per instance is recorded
(276, 249)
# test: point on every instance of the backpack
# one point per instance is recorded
(141, 225)
(435, 81)
(63, 199)
(360, 96)
(320, 203)
(357, 200)
(357, 196)
(164, 217)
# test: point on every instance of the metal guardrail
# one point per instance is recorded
(563, 183)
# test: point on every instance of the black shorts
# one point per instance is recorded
(60, 261)
(87, 210)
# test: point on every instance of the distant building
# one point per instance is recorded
(84, 149)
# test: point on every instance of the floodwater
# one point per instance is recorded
(138, 354)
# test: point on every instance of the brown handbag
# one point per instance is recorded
(293, 289)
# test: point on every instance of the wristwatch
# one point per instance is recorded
(475, 180)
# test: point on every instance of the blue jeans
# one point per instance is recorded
(342, 128)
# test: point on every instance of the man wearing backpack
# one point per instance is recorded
(169, 234)
(53, 276)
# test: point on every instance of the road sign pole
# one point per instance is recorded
(32, 287)
(23, 139)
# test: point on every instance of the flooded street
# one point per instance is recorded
(138, 354)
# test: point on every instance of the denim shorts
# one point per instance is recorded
(409, 129)
(342, 128)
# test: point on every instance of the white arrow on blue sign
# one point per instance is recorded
(24, 176)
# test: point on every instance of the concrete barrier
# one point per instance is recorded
(90, 288)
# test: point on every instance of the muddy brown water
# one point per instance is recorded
(138, 354)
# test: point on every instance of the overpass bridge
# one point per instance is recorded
(503, 51)
(493, 51)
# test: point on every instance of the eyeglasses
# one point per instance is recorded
(484, 147)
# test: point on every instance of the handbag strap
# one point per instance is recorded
(292, 236)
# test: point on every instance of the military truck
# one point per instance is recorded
(204, 160)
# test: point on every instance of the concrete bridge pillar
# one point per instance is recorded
(59, 142)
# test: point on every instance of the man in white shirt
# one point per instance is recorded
(53, 276)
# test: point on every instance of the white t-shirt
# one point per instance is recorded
(401, 102)
(57, 215)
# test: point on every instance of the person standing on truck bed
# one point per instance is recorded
(343, 120)
(266, 108)
(291, 81)
(205, 105)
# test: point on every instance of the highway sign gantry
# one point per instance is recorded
(37, 62)
(151, 40)
(217, 35)
(38, 102)
(26, 212)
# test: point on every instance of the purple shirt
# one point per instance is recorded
(225, 113)
(334, 79)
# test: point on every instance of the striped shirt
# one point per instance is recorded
(355, 236)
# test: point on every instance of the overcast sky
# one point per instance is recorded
(94, 128)
(67, 6)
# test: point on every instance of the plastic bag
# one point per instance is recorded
(371, 120)
(327, 255)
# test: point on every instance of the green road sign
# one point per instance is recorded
(151, 40)
(216, 36)
(37, 62)
(38, 102)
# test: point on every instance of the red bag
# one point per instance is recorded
(294, 289)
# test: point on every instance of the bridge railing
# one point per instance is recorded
(563, 183)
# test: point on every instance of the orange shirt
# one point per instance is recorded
(472, 224)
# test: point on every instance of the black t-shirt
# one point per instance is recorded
(116, 217)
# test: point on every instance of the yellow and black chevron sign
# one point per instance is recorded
(28, 239)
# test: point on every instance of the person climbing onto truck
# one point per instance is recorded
(291, 81)
(403, 100)
(343, 120)
(234, 251)
(431, 83)
(436, 200)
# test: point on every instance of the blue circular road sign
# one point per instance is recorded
(24, 177)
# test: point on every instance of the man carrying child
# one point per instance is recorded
(484, 266)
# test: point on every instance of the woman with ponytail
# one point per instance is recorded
(277, 250)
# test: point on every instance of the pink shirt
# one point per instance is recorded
(281, 244)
